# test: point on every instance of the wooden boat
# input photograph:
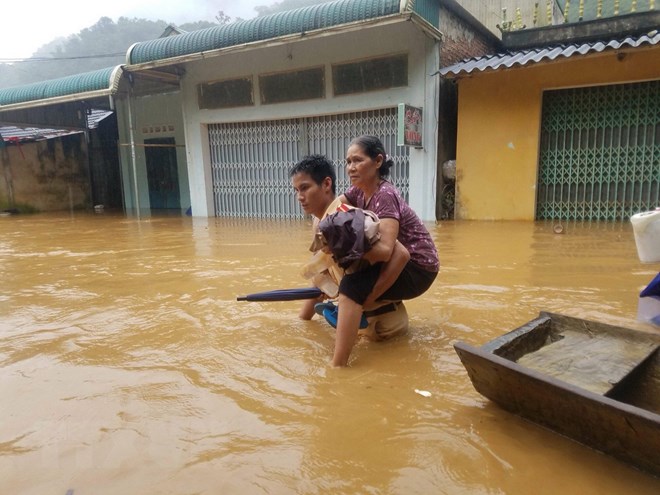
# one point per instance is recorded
(596, 383)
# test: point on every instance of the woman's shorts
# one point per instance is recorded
(412, 282)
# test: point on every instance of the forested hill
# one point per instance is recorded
(105, 44)
(102, 45)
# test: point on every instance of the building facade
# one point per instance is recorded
(560, 129)
(210, 122)
(252, 105)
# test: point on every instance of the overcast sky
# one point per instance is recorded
(28, 25)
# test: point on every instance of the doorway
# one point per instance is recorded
(162, 173)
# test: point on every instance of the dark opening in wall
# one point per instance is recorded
(370, 75)
(225, 94)
(305, 84)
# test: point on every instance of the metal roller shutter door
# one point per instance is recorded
(250, 161)
(599, 152)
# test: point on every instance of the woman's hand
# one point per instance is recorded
(388, 273)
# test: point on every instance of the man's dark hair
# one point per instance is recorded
(318, 167)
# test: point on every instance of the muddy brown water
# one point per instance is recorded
(127, 365)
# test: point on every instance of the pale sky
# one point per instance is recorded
(28, 26)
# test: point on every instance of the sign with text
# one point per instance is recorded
(409, 130)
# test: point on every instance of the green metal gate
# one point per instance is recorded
(599, 152)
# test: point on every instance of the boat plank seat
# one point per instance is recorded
(595, 362)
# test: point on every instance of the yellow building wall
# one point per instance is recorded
(499, 118)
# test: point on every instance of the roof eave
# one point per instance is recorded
(89, 95)
(425, 26)
(113, 87)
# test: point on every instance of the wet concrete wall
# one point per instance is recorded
(48, 175)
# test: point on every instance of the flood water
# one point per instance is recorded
(127, 365)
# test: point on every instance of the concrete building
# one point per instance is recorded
(250, 98)
(563, 124)
(63, 157)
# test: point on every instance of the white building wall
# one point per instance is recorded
(313, 51)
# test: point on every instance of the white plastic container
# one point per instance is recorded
(646, 227)
(648, 309)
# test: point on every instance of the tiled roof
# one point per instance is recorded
(102, 79)
(262, 28)
(297, 21)
(536, 55)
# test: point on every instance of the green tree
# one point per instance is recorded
(197, 25)
(286, 5)
(101, 45)
(222, 18)
(105, 43)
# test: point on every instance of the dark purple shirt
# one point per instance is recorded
(388, 203)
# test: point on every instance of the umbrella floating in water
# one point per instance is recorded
(283, 295)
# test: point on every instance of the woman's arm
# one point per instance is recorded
(389, 273)
(382, 250)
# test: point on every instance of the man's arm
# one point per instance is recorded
(307, 309)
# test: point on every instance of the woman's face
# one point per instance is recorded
(361, 168)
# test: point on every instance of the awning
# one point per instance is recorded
(521, 58)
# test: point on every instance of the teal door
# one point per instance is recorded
(162, 173)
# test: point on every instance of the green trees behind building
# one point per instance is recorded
(105, 44)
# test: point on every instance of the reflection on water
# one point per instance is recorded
(127, 366)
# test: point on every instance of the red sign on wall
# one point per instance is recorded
(410, 126)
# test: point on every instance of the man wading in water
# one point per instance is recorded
(314, 179)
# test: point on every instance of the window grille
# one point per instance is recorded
(305, 84)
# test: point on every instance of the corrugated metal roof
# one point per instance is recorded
(262, 28)
(525, 57)
(14, 134)
(101, 79)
